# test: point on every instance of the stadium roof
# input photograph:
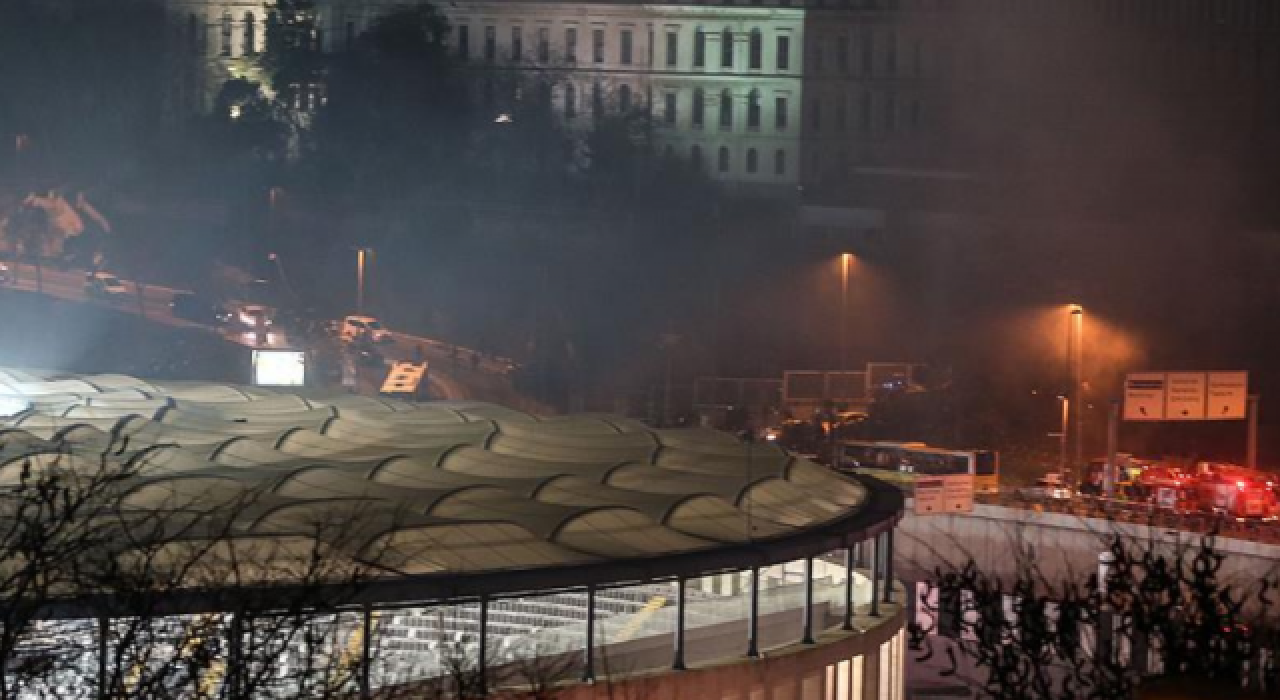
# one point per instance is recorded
(456, 498)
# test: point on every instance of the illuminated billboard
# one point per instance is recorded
(279, 368)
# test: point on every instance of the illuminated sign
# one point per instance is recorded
(279, 368)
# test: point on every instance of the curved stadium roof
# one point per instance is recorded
(456, 497)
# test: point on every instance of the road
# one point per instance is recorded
(456, 373)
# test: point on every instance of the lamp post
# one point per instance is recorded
(1062, 436)
(362, 254)
(846, 259)
(1076, 345)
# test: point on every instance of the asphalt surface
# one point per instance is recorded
(455, 373)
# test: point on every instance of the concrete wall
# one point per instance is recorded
(1001, 539)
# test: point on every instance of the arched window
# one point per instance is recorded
(250, 34)
(699, 48)
(695, 155)
(226, 34)
(779, 162)
(726, 49)
(570, 101)
(699, 108)
(723, 163)
(726, 110)
(753, 110)
(624, 99)
(753, 160)
(755, 50)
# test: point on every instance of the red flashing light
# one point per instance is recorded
(1240, 485)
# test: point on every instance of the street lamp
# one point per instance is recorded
(1075, 345)
(1062, 436)
(361, 255)
(846, 259)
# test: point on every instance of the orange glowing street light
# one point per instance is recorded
(846, 259)
(1075, 344)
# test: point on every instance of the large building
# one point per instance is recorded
(868, 106)
(223, 536)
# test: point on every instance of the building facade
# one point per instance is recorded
(843, 100)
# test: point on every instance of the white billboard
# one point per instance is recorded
(1144, 396)
(1228, 395)
(939, 495)
(279, 368)
(1184, 394)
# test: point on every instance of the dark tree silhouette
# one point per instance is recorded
(1152, 611)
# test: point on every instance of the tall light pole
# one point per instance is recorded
(846, 259)
(361, 255)
(1062, 436)
(1077, 377)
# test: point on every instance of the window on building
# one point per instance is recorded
(780, 113)
(571, 45)
(673, 49)
(699, 108)
(624, 47)
(755, 50)
(864, 113)
(597, 100)
(815, 114)
(195, 33)
(699, 49)
(464, 41)
(544, 45)
(570, 101)
(784, 53)
(517, 44)
(250, 34)
(624, 99)
(695, 156)
(753, 110)
(779, 162)
(726, 49)
(226, 34)
(753, 160)
(890, 113)
(723, 160)
(891, 55)
(597, 45)
(490, 44)
(726, 110)
(842, 54)
(842, 115)
(867, 46)
(913, 116)
(351, 35)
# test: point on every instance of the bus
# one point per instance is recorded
(900, 462)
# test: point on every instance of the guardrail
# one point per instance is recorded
(1253, 530)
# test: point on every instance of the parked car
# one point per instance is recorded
(104, 285)
(190, 306)
(252, 316)
(356, 327)
(1049, 487)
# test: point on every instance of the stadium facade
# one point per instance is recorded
(371, 546)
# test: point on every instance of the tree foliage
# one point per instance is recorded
(1170, 613)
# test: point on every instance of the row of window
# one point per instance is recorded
(843, 114)
(724, 158)
(725, 108)
(849, 56)
(516, 51)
